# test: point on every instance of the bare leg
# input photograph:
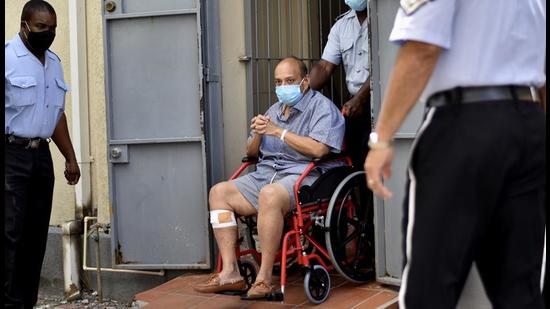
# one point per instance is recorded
(226, 196)
(274, 203)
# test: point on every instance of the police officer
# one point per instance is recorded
(348, 44)
(476, 174)
(34, 113)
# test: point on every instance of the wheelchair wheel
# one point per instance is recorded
(350, 230)
(248, 271)
(317, 284)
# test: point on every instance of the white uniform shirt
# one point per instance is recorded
(34, 93)
(348, 42)
(486, 42)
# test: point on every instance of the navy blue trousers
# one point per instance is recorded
(476, 193)
(28, 192)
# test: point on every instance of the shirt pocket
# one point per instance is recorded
(59, 95)
(347, 53)
(22, 90)
(365, 52)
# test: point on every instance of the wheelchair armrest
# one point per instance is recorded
(330, 156)
(249, 159)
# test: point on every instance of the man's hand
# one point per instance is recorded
(258, 124)
(353, 108)
(378, 164)
(72, 172)
(271, 128)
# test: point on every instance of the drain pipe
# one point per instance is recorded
(72, 230)
(79, 99)
(71, 259)
(98, 268)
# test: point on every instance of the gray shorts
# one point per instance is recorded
(250, 184)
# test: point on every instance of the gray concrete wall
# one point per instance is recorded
(118, 286)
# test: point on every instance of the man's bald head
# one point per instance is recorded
(294, 61)
(292, 71)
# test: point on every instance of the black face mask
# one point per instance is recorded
(40, 41)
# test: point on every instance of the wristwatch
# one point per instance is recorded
(375, 143)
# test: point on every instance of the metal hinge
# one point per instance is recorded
(244, 58)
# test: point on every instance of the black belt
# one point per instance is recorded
(483, 94)
(28, 142)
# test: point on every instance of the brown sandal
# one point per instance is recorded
(213, 285)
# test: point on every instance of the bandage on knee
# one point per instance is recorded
(222, 218)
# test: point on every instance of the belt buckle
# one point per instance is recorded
(33, 144)
(534, 94)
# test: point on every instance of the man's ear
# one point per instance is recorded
(305, 83)
(24, 26)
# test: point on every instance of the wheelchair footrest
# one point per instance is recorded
(273, 296)
(231, 293)
(276, 296)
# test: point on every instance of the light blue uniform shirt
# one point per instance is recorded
(35, 93)
(314, 116)
(486, 42)
(348, 43)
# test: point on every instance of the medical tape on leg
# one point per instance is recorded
(222, 218)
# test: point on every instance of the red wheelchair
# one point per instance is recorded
(330, 228)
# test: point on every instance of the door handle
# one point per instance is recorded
(116, 153)
(110, 6)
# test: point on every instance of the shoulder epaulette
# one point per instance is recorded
(56, 56)
(342, 15)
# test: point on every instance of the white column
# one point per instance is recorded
(79, 97)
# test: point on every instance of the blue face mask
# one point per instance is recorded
(357, 5)
(289, 94)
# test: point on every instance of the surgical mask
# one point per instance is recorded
(39, 41)
(289, 94)
(357, 5)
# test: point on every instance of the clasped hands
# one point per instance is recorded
(262, 125)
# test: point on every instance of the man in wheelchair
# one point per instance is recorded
(301, 126)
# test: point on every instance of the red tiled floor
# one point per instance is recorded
(261, 305)
(373, 285)
(393, 306)
(377, 300)
(347, 296)
(176, 301)
(222, 302)
(178, 293)
(294, 294)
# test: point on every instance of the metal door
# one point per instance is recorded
(156, 134)
(388, 214)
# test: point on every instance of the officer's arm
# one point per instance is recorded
(543, 96)
(358, 102)
(320, 74)
(364, 92)
(63, 141)
(413, 67)
(542, 91)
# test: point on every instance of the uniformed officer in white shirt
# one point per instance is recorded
(476, 174)
(348, 44)
(34, 113)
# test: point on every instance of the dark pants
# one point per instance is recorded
(356, 140)
(29, 181)
(476, 193)
(357, 137)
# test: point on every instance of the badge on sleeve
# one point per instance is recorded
(410, 6)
